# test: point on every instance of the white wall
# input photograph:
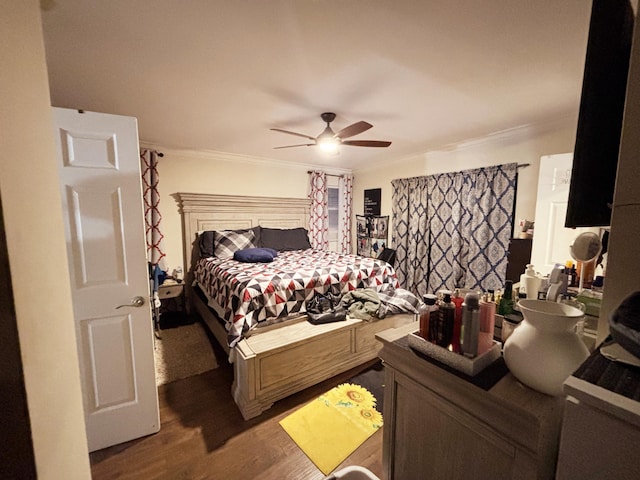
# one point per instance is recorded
(521, 145)
(37, 251)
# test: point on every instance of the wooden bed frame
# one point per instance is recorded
(278, 360)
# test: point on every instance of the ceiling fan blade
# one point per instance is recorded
(353, 129)
(366, 143)
(299, 145)
(294, 133)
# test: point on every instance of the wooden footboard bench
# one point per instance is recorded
(283, 360)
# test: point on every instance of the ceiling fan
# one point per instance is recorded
(330, 141)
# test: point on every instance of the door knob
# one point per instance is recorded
(135, 302)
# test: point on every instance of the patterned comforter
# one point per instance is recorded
(255, 292)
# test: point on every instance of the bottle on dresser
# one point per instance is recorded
(458, 301)
(530, 282)
(425, 312)
(470, 325)
(506, 302)
(487, 324)
(446, 319)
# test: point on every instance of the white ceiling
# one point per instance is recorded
(216, 75)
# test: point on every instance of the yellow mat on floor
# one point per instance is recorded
(334, 425)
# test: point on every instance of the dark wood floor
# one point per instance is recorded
(203, 436)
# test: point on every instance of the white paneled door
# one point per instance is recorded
(99, 169)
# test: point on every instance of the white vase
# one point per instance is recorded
(545, 349)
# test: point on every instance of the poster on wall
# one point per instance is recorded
(372, 201)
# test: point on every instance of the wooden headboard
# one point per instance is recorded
(201, 212)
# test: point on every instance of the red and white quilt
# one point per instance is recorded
(254, 292)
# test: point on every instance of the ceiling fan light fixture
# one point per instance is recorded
(329, 148)
(328, 143)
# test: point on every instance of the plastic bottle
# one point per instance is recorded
(542, 289)
(434, 319)
(423, 316)
(458, 301)
(470, 325)
(487, 325)
(569, 269)
(446, 319)
(433, 310)
(506, 302)
(429, 301)
(177, 274)
(530, 282)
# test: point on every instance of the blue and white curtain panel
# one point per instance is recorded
(452, 230)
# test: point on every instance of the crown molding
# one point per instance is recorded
(236, 158)
(518, 133)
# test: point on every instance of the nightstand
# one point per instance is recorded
(171, 297)
(172, 312)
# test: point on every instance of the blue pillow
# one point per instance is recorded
(255, 255)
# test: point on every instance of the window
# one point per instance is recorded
(333, 207)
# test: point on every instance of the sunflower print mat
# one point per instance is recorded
(334, 425)
(357, 403)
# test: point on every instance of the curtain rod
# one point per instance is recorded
(157, 152)
(521, 165)
(327, 174)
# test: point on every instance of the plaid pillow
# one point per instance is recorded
(227, 242)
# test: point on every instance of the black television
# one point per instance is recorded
(604, 85)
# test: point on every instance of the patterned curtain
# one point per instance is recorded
(344, 216)
(151, 198)
(453, 229)
(410, 232)
(319, 221)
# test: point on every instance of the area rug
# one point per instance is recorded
(182, 352)
(334, 425)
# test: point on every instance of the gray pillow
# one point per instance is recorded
(227, 242)
(206, 240)
(205, 243)
(284, 239)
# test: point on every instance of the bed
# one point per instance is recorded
(273, 359)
